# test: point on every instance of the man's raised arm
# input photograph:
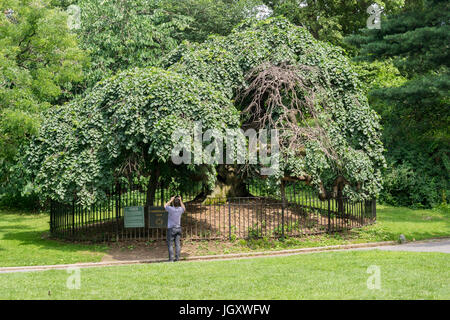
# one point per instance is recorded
(182, 204)
(169, 202)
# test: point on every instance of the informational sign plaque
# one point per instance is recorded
(134, 217)
(157, 217)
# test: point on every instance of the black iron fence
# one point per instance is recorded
(264, 214)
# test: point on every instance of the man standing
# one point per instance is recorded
(175, 208)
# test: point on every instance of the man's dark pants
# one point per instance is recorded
(174, 234)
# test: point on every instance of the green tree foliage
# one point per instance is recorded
(211, 16)
(350, 125)
(40, 63)
(137, 33)
(117, 35)
(83, 146)
(417, 110)
(331, 20)
(125, 34)
(125, 123)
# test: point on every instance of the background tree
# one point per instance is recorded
(417, 110)
(331, 20)
(212, 16)
(137, 33)
(40, 63)
(124, 34)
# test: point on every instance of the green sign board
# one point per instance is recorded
(157, 217)
(134, 217)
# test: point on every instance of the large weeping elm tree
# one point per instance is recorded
(266, 74)
(280, 77)
(123, 128)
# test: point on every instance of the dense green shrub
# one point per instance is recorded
(416, 179)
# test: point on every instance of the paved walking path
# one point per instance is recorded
(437, 245)
(422, 246)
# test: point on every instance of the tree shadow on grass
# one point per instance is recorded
(38, 240)
(15, 215)
(14, 227)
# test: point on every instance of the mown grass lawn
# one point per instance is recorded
(330, 275)
(417, 224)
(23, 242)
(391, 223)
(23, 239)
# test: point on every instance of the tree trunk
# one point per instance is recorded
(283, 194)
(152, 186)
(340, 200)
(228, 185)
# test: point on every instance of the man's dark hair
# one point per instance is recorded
(176, 202)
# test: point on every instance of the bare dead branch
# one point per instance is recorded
(288, 98)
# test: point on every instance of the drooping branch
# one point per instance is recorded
(285, 97)
(132, 165)
(336, 192)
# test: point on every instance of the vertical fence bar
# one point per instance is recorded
(329, 217)
(52, 217)
(73, 219)
(362, 213)
(229, 219)
(374, 210)
(283, 203)
(117, 196)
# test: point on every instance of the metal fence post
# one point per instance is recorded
(361, 218)
(283, 203)
(329, 217)
(229, 218)
(374, 210)
(73, 218)
(52, 217)
(117, 210)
